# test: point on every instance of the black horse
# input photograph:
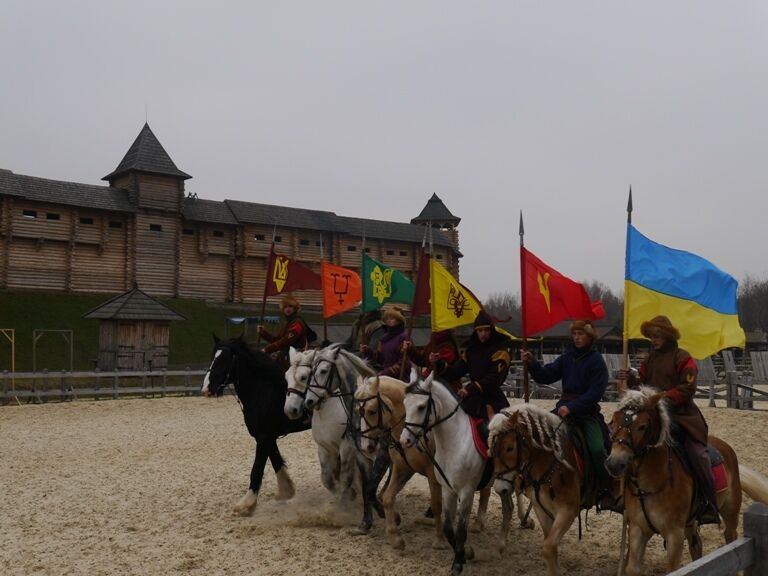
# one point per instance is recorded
(260, 387)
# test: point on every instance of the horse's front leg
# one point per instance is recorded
(507, 509)
(328, 468)
(347, 469)
(247, 504)
(564, 517)
(482, 509)
(462, 550)
(285, 488)
(638, 539)
(524, 512)
(401, 473)
(674, 540)
(370, 474)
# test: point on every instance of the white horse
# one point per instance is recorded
(324, 381)
(432, 407)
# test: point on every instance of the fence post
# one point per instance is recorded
(712, 394)
(730, 390)
(98, 384)
(115, 392)
(756, 527)
(45, 387)
(165, 383)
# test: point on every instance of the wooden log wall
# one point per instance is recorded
(155, 253)
(55, 247)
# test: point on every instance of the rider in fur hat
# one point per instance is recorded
(293, 332)
(673, 371)
(388, 353)
(584, 377)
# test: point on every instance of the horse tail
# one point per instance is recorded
(754, 484)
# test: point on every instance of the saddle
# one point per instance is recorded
(700, 505)
(479, 428)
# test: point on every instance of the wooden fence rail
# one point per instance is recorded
(42, 386)
(749, 553)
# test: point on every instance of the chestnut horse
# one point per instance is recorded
(533, 452)
(658, 490)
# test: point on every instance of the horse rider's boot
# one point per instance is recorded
(707, 512)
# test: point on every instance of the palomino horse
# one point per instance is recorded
(324, 381)
(658, 490)
(533, 452)
(433, 407)
(260, 387)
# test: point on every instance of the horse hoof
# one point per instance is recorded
(438, 544)
(359, 531)
(469, 553)
(285, 488)
(529, 525)
(477, 526)
(247, 504)
(456, 569)
(398, 543)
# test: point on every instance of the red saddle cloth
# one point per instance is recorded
(481, 444)
(721, 480)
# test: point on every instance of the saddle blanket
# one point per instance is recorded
(718, 468)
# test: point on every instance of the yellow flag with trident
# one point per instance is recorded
(452, 303)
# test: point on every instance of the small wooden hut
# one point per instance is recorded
(134, 332)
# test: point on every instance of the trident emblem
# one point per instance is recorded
(280, 272)
(457, 302)
(341, 292)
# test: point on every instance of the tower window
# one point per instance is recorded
(258, 237)
(351, 248)
(155, 228)
(390, 252)
(115, 224)
(52, 216)
(304, 242)
(218, 234)
(29, 213)
(86, 220)
(188, 231)
(403, 253)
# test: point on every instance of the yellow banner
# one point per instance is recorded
(452, 304)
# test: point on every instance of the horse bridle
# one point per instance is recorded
(230, 377)
(303, 393)
(628, 416)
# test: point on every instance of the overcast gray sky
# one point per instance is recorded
(367, 108)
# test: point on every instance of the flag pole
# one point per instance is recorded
(266, 282)
(526, 388)
(621, 385)
(410, 318)
(325, 320)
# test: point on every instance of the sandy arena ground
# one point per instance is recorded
(147, 486)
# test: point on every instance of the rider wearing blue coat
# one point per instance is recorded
(584, 376)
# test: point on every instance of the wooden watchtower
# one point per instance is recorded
(134, 332)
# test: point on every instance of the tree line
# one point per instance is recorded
(752, 301)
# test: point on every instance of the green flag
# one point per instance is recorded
(383, 284)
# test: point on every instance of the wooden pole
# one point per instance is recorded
(526, 387)
(621, 384)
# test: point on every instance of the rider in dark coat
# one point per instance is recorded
(584, 376)
(388, 353)
(486, 359)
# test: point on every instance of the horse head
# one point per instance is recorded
(503, 446)
(223, 368)
(419, 410)
(640, 423)
(380, 404)
(298, 378)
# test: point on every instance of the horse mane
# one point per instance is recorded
(391, 388)
(639, 400)
(543, 429)
(361, 365)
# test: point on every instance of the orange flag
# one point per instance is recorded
(342, 289)
(551, 297)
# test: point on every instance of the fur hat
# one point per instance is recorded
(289, 301)
(483, 320)
(586, 326)
(393, 312)
(660, 326)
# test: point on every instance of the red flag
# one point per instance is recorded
(421, 304)
(286, 275)
(550, 297)
(342, 289)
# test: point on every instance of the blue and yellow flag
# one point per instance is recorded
(697, 297)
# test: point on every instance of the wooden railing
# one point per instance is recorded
(42, 386)
(749, 553)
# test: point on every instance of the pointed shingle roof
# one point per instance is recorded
(133, 305)
(436, 212)
(146, 154)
